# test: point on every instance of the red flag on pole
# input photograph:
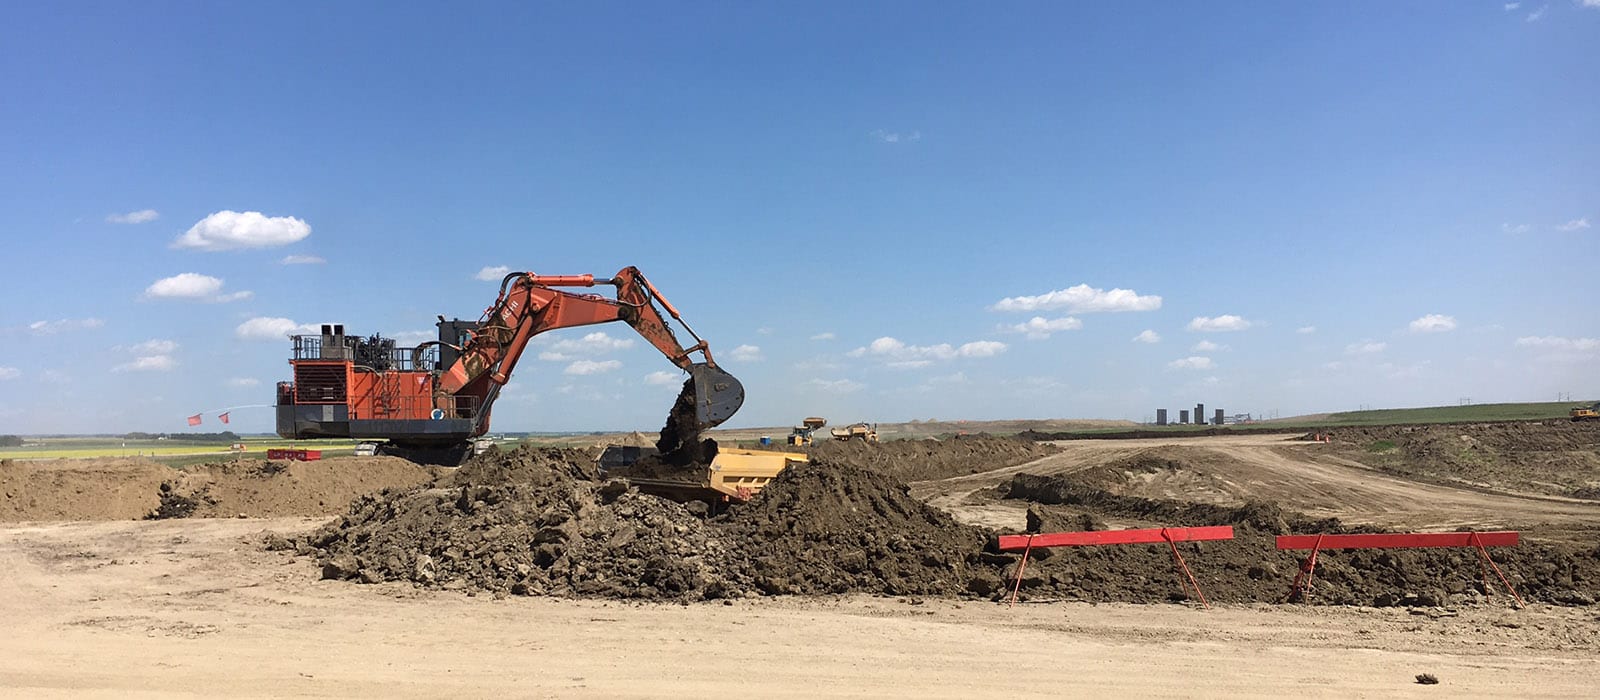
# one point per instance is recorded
(194, 419)
(223, 417)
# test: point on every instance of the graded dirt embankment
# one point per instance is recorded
(1556, 458)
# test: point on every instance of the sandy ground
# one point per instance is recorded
(1296, 475)
(195, 608)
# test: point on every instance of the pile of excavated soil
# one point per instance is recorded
(536, 522)
(920, 460)
(1249, 568)
(1558, 458)
(127, 489)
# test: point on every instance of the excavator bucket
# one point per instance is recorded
(717, 395)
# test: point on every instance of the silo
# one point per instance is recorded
(1161, 416)
(1199, 414)
(1183, 416)
(1218, 420)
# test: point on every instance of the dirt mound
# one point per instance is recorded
(535, 522)
(1250, 569)
(835, 528)
(919, 460)
(1558, 457)
(129, 489)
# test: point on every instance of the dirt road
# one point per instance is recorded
(194, 608)
(1296, 475)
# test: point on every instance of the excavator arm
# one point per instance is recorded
(531, 304)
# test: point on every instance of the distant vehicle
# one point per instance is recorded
(367, 449)
(801, 436)
(1583, 413)
(867, 433)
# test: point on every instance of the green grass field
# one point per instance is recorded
(1456, 414)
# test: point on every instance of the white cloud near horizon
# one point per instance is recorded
(149, 363)
(9, 373)
(898, 350)
(835, 386)
(154, 346)
(1040, 328)
(1365, 347)
(1575, 224)
(493, 273)
(595, 343)
(243, 382)
(1194, 362)
(62, 325)
(1207, 346)
(1219, 324)
(746, 353)
(134, 217)
(1558, 342)
(588, 367)
(272, 328)
(301, 260)
(1433, 323)
(193, 286)
(826, 335)
(232, 230)
(1306, 330)
(1082, 299)
(1147, 336)
(663, 378)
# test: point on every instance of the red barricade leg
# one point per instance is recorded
(1489, 563)
(1185, 567)
(1021, 567)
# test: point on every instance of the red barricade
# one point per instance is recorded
(1169, 535)
(1476, 540)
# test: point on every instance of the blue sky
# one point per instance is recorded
(1349, 204)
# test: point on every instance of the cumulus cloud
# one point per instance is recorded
(154, 347)
(1433, 323)
(1538, 14)
(1514, 5)
(835, 386)
(661, 378)
(745, 353)
(824, 336)
(1039, 328)
(1219, 324)
(9, 373)
(897, 350)
(585, 367)
(1195, 362)
(1207, 346)
(63, 325)
(301, 260)
(232, 230)
(193, 286)
(492, 273)
(1306, 330)
(1514, 228)
(272, 328)
(596, 343)
(1365, 347)
(1147, 336)
(243, 382)
(149, 363)
(134, 217)
(1575, 224)
(1558, 343)
(1082, 299)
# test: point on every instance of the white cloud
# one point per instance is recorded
(897, 350)
(154, 347)
(745, 353)
(1589, 3)
(1433, 323)
(243, 382)
(492, 273)
(9, 373)
(1147, 336)
(301, 260)
(824, 336)
(896, 137)
(1514, 5)
(232, 230)
(149, 363)
(1575, 224)
(1306, 330)
(660, 378)
(1365, 347)
(1207, 346)
(585, 367)
(1039, 328)
(62, 325)
(194, 286)
(1538, 14)
(1225, 322)
(1081, 299)
(1514, 229)
(1558, 343)
(272, 328)
(596, 343)
(408, 339)
(764, 330)
(1191, 363)
(835, 386)
(908, 364)
(134, 217)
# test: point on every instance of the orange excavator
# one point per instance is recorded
(429, 401)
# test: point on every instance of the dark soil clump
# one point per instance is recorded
(918, 460)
